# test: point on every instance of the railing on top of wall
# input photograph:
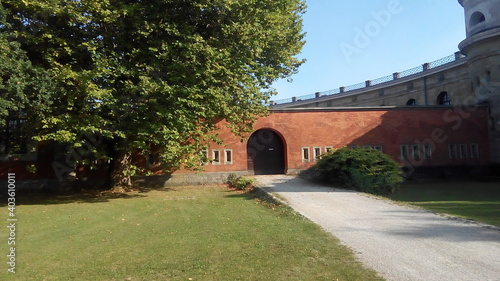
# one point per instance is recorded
(378, 81)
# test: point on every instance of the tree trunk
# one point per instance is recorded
(119, 178)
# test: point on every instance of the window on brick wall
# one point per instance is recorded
(427, 151)
(464, 151)
(328, 148)
(415, 155)
(404, 152)
(317, 153)
(474, 151)
(228, 156)
(305, 154)
(378, 148)
(452, 151)
(216, 157)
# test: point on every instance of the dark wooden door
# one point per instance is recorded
(265, 153)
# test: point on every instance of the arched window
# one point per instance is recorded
(476, 18)
(444, 99)
(412, 102)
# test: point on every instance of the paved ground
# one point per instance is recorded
(399, 242)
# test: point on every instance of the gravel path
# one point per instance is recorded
(399, 242)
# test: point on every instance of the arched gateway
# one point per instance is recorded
(265, 153)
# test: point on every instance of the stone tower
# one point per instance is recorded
(482, 48)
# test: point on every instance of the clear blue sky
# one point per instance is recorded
(349, 42)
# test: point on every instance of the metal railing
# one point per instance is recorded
(398, 75)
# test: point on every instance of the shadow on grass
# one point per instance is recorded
(245, 196)
(81, 192)
(448, 190)
(43, 198)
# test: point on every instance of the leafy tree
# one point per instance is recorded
(160, 73)
(25, 90)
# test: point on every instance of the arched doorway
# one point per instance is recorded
(265, 153)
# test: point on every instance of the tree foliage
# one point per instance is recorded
(157, 73)
(364, 169)
(24, 88)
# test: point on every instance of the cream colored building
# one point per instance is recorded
(464, 79)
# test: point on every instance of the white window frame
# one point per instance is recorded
(452, 151)
(306, 155)
(474, 150)
(316, 153)
(463, 150)
(228, 160)
(427, 151)
(415, 152)
(328, 148)
(216, 157)
(404, 152)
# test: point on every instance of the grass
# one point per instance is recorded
(189, 233)
(471, 199)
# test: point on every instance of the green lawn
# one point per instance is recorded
(202, 233)
(476, 200)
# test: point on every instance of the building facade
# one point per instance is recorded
(439, 119)
(469, 77)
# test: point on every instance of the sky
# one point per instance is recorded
(349, 42)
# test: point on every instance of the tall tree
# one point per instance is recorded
(25, 92)
(158, 73)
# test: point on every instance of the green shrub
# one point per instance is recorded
(363, 169)
(240, 182)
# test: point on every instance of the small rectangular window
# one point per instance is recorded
(452, 151)
(427, 151)
(215, 157)
(415, 152)
(228, 156)
(367, 146)
(378, 148)
(317, 153)
(305, 154)
(404, 152)
(474, 151)
(463, 151)
(328, 148)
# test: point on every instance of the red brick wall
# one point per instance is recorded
(42, 163)
(389, 128)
